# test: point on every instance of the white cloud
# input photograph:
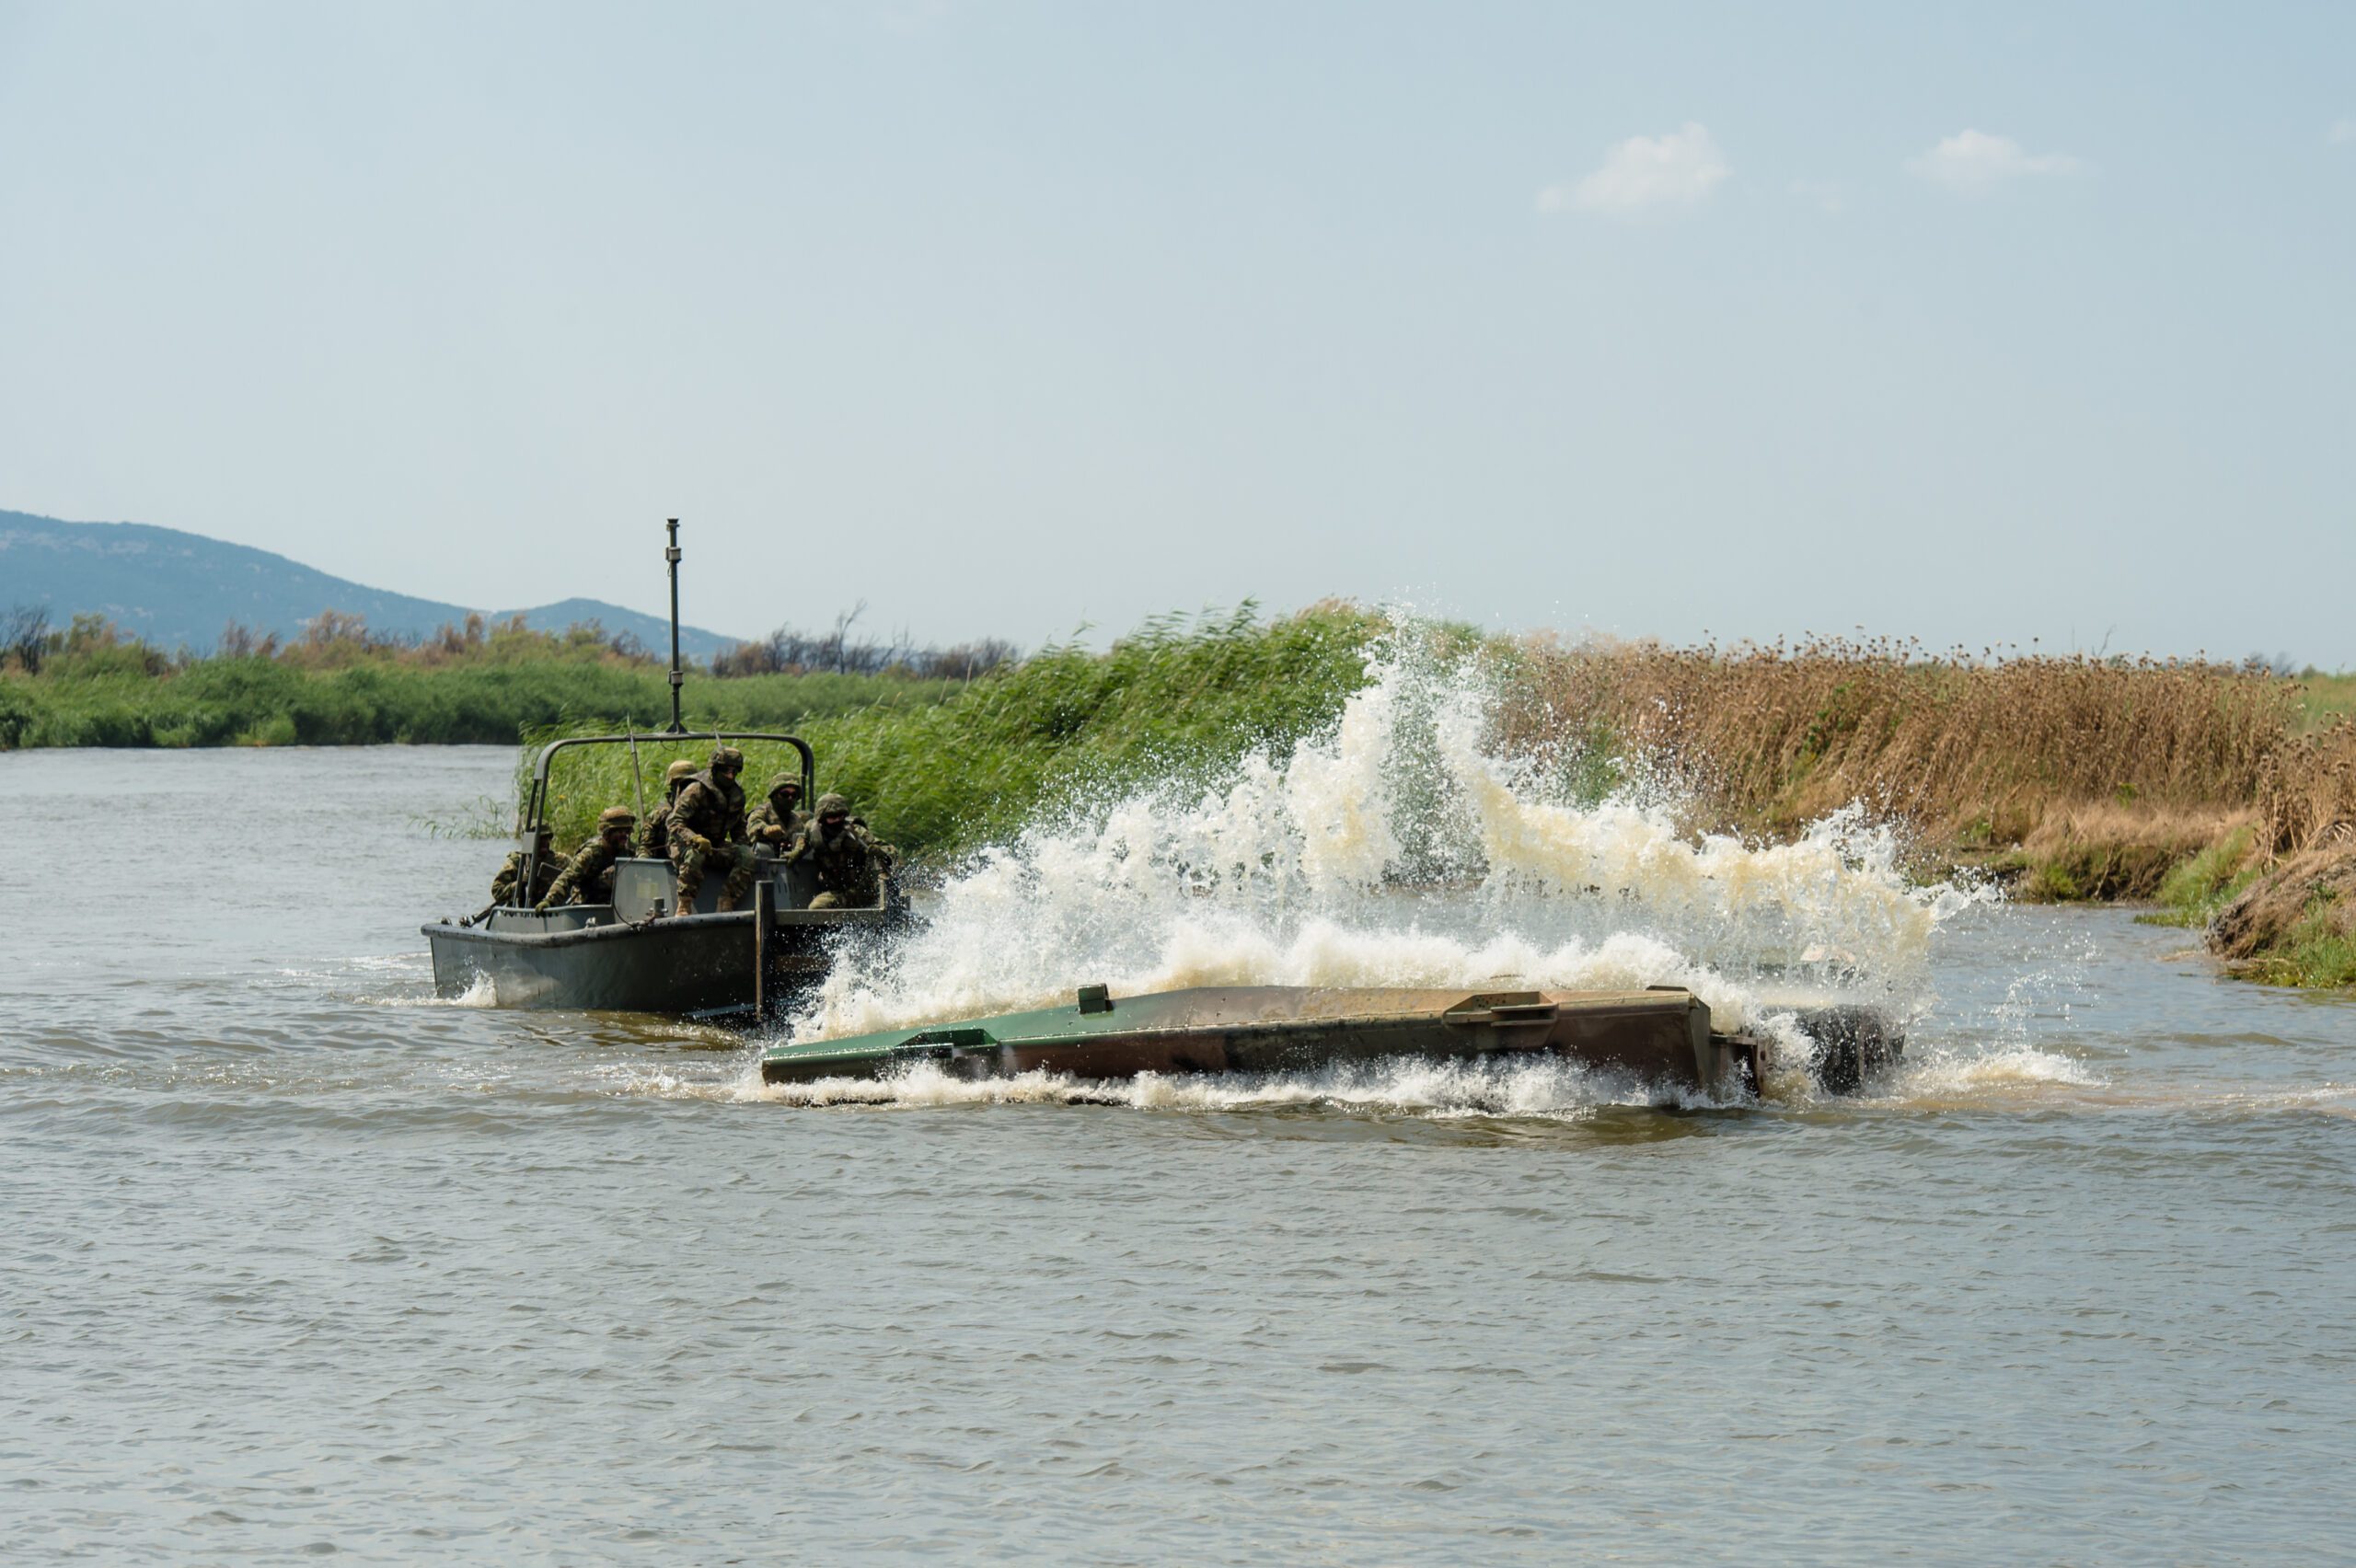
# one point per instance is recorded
(1826, 196)
(1675, 170)
(2342, 133)
(1974, 160)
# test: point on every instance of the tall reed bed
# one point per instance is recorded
(1179, 695)
(2307, 792)
(2111, 770)
(1976, 752)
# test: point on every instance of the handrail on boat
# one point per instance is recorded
(532, 821)
(536, 806)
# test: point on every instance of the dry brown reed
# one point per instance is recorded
(2306, 791)
(1973, 751)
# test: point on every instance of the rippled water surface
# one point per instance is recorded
(297, 1260)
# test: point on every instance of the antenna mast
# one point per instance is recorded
(671, 554)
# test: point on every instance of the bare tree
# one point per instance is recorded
(837, 644)
(788, 652)
(24, 633)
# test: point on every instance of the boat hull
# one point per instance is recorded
(623, 957)
(1657, 1035)
(695, 963)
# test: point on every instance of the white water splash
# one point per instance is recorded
(1400, 851)
(480, 993)
(1941, 1078)
(1548, 1089)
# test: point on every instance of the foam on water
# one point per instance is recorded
(1945, 1075)
(1401, 848)
(480, 992)
(1548, 1089)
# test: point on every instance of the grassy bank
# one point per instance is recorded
(90, 684)
(2210, 789)
(2296, 924)
(2289, 918)
(262, 701)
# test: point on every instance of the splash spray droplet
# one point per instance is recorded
(1398, 850)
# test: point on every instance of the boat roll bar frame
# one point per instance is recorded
(536, 802)
(533, 820)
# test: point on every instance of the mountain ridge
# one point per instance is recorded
(172, 588)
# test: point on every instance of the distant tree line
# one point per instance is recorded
(332, 639)
(786, 652)
(29, 645)
(91, 644)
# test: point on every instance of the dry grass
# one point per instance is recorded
(1974, 751)
(2306, 791)
(2212, 787)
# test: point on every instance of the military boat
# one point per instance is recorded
(1660, 1035)
(637, 954)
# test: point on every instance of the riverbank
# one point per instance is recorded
(2182, 784)
(479, 684)
(257, 701)
(2190, 785)
(2225, 794)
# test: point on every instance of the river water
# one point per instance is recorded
(297, 1262)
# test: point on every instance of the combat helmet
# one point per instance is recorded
(831, 804)
(616, 816)
(677, 774)
(728, 757)
(784, 780)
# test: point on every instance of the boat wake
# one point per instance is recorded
(1542, 1090)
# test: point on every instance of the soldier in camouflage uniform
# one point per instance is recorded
(503, 883)
(654, 839)
(708, 829)
(776, 819)
(852, 863)
(588, 877)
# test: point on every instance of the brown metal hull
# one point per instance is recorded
(1656, 1036)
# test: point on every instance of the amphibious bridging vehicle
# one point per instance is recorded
(1661, 1035)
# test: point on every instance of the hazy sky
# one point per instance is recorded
(1979, 322)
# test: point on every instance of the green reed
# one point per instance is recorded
(1180, 695)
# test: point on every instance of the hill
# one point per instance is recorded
(173, 589)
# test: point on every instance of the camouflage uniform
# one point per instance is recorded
(852, 863)
(502, 885)
(655, 838)
(775, 823)
(708, 829)
(588, 877)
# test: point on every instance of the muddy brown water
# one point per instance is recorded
(296, 1262)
